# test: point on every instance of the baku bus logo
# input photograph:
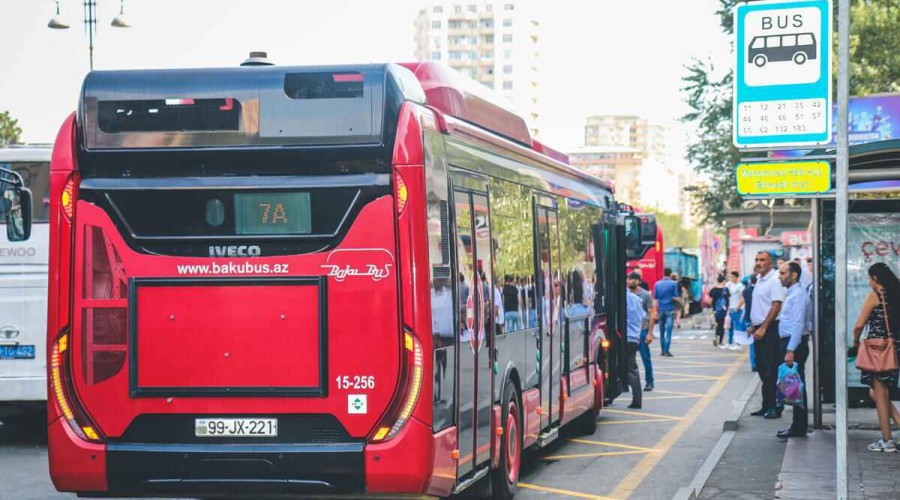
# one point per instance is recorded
(374, 263)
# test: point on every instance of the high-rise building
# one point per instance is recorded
(628, 131)
(636, 156)
(495, 42)
(618, 164)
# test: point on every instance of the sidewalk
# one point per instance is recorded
(808, 469)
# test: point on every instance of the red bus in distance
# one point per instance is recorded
(292, 280)
(649, 260)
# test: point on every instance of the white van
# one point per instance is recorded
(23, 288)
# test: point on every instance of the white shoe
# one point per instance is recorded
(734, 347)
(883, 446)
(723, 346)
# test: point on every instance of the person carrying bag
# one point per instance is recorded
(876, 355)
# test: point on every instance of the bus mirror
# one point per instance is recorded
(17, 205)
(633, 244)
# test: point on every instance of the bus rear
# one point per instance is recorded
(649, 260)
(231, 290)
(23, 289)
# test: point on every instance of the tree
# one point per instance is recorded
(874, 68)
(10, 132)
(874, 38)
(676, 235)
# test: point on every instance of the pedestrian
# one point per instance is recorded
(510, 304)
(735, 298)
(664, 293)
(747, 304)
(719, 297)
(678, 300)
(634, 317)
(768, 295)
(634, 284)
(794, 340)
(881, 314)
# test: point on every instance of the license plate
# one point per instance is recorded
(236, 427)
(16, 352)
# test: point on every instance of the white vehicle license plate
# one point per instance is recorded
(236, 427)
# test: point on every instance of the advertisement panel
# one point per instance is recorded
(873, 237)
(872, 118)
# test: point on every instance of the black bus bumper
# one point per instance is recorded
(210, 470)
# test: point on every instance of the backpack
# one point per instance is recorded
(721, 305)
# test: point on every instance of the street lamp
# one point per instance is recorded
(90, 23)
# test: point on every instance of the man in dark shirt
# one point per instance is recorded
(510, 304)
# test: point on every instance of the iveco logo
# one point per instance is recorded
(235, 251)
(8, 332)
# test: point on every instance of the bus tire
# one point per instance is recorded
(799, 58)
(506, 475)
(760, 60)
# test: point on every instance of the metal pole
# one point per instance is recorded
(816, 392)
(840, 242)
(90, 26)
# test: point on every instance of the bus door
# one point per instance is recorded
(475, 329)
(549, 281)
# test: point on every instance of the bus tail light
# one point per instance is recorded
(59, 367)
(401, 193)
(395, 419)
(104, 312)
(67, 200)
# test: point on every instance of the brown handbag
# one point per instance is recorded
(878, 355)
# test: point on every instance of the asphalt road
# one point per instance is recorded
(642, 454)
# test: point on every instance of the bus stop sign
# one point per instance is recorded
(782, 84)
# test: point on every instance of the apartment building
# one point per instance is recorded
(496, 42)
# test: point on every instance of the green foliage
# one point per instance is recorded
(874, 39)
(10, 132)
(676, 235)
(874, 68)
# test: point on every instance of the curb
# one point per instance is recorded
(692, 491)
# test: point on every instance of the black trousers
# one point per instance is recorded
(634, 376)
(767, 361)
(801, 354)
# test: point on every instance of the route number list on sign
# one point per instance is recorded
(790, 116)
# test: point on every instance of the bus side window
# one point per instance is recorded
(805, 39)
(773, 42)
(758, 43)
(789, 40)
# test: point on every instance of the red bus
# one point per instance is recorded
(286, 279)
(649, 259)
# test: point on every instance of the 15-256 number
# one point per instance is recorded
(355, 382)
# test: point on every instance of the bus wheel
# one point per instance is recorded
(506, 475)
(760, 61)
(799, 58)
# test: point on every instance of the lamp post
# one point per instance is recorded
(90, 23)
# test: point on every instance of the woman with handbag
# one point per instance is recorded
(877, 354)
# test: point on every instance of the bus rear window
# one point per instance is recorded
(169, 115)
(200, 213)
(324, 85)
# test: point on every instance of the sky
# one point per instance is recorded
(597, 56)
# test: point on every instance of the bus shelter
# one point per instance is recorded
(873, 236)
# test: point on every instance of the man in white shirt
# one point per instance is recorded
(767, 298)
(735, 298)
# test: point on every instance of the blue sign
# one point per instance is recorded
(782, 84)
